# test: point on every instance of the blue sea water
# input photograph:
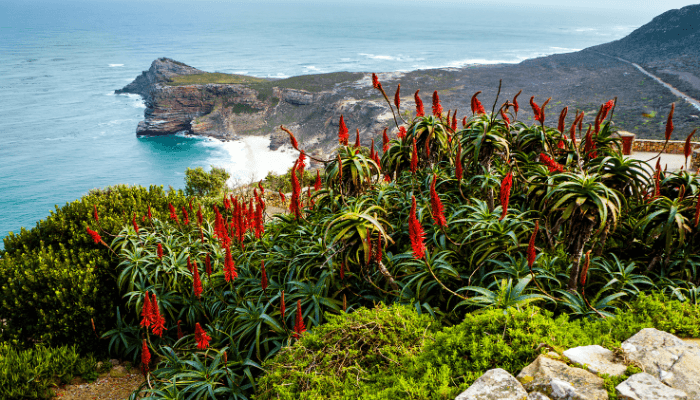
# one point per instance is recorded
(64, 132)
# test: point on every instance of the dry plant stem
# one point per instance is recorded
(388, 276)
(583, 294)
(396, 122)
(493, 108)
(442, 284)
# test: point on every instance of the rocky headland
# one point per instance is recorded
(226, 106)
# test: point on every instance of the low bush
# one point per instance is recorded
(30, 374)
(58, 285)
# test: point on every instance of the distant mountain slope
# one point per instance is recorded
(668, 46)
(673, 34)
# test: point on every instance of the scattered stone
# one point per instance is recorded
(495, 384)
(114, 361)
(561, 382)
(666, 357)
(118, 372)
(597, 359)
(643, 386)
(537, 396)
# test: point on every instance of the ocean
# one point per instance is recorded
(64, 131)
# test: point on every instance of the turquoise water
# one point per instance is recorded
(64, 131)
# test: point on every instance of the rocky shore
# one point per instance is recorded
(183, 98)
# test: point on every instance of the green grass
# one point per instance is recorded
(213, 77)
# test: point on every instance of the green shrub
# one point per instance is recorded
(201, 183)
(30, 374)
(56, 282)
(347, 356)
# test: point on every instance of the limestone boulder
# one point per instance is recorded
(644, 386)
(666, 357)
(560, 381)
(598, 359)
(495, 384)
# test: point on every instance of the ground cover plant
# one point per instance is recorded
(481, 232)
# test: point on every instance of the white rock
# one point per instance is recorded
(537, 396)
(668, 358)
(561, 382)
(495, 384)
(644, 386)
(598, 359)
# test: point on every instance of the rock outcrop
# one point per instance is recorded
(162, 70)
(672, 372)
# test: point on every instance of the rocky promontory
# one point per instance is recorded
(180, 98)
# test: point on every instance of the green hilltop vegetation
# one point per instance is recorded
(401, 271)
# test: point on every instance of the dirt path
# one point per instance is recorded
(118, 384)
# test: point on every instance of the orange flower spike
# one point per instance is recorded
(531, 251)
(562, 118)
(516, 107)
(669, 122)
(342, 132)
(688, 149)
(535, 109)
(437, 107)
(506, 185)
(420, 111)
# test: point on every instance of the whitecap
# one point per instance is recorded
(116, 65)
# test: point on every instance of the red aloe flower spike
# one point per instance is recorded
(97, 217)
(158, 323)
(185, 216)
(454, 122)
(378, 251)
(201, 337)
(387, 178)
(505, 118)
(282, 305)
(294, 205)
(357, 140)
(606, 109)
(572, 132)
(458, 162)
(150, 216)
(531, 251)
(562, 118)
(688, 149)
(477, 107)
(535, 109)
(657, 184)
(159, 251)
(133, 222)
(179, 330)
(397, 97)
(416, 232)
(552, 165)
(402, 133)
(436, 204)
(95, 236)
(292, 138)
(586, 265)
(506, 185)
(697, 211)
(414, 157)
(145, 358)
(342, 268)
(317, 185)
(282, 196)
(542, 110)
(343, 132)
(230, 272)
(196, 282)
(340, 168)
(385, 141)
(146, 310)
(299, 326)
(207, 264)
(263, 279)
(173, 214)
(375, 82)
(669, 122)
(437, 108)
(262, 189)
(464, 122)
(516, 107)
(420, 112)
